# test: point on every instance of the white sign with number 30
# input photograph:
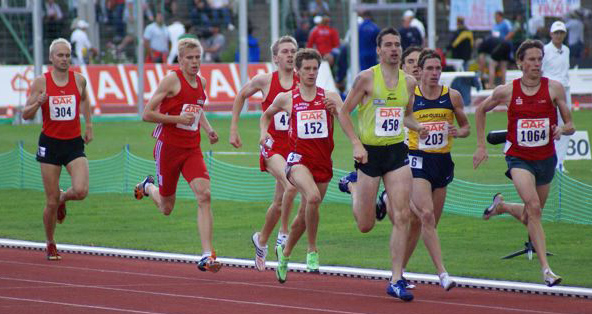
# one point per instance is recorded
(578, 147)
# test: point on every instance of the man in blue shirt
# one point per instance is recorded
(368, 31)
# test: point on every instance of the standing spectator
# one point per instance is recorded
(214, 45)
(176, 29)
(254, 52)
(221, 13)
(156, 40)
(575, 38)
(502, 26)
(301, 33)
(82, 46)
(200, 14)
(415, 23)
(53, 19)
(368, 31)
(556, 67)
(462, 43)
(518, 33)
(410, 35)
(116, 9)
(324, 38)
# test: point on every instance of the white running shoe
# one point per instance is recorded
(282, 240)
(493, 208)
(260, 253)
(446, 282)
(550, 278)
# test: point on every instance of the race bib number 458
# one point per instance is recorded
(196, 110)
(389, 121)
(312, 124)
(62, 108)
(533, 132)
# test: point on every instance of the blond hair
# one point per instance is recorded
(275, 48)
(58, 41)
(188, 43)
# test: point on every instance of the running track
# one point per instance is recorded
(97, 284)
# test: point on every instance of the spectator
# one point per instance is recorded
(301, 33)
(82, 48)
(318, 7)
(200, 14)
(367, 33)
(498, 50)
(254, 52)
(221, 13)
(416, 23)
(130, 22)
(518, 33)
(324, 38)
(502, 26)
(116, 9)
(53, 19)
(461, 44)
(575, 38)
(536, 26)
(176, 30)
(214, 45)
(156, 40)
(410, 35)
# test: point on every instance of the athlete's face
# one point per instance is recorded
(532, 62)
(60, 57)
(191, 61)
(410, 65)
(285, 56)
(431, 71)
(389, 50)
(308, 72)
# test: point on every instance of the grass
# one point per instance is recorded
(471, 247)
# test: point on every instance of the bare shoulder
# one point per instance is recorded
(364, 79)
(555, 85)
(169, 80)
(332, 95)
(204, 82)
(503, 92)
(455, 95)
(411, 83)
(260, 81)
(80, 79)
(39, 82)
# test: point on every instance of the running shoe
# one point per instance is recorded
(550, 278)
(281, 272)
(350, 177)
(260, 252)
(492, 209)
(398, 290)
(381, 206)
(140, 189)
(408, 283)
(61, 211)
(282, 239)
(209, 263)
(52, 252)
(446, 282)
(312, 262)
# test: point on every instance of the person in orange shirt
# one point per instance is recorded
(324, 38)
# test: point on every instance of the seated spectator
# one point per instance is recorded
(325, 39)
(176, 30)
(156, 40)
(221, 13)
(199, 14)
(214, 45)
(82, 48)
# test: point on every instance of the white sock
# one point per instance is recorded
(206, 253)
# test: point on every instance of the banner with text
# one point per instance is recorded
(478, 14)
(555, 8)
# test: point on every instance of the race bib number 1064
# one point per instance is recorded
(533, 132)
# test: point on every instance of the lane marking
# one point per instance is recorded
(78, 305)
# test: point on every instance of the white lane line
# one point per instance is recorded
(116, 309)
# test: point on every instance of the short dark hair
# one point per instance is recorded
(307, 54)
(428, 54)
(527, 44)
(384, 32)
(409, 51)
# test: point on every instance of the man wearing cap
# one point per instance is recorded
(82, 45)
(556, 67)
(415, 23)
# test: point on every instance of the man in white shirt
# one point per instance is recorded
(175, 31)
(81, 43)
(556, 67)
(156, 40)
(416, 23)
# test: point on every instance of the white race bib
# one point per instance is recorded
(389, 121)
(281, 121)
(312, 124)
(438, 136)
(196, 110)
(62, 108)
(533, 132)
(416, 162)
(293, 158)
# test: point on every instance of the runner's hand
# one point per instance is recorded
(263, 140)
(213, 136)
(187, 118)
(41, 98)
(235, 139)
(330, 105)
(360, 154)
(479, 156)
(423, 132)
(88, 134)
(557, 132)
(452, 130)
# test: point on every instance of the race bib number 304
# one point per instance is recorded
(281, 121)
(438, 136)
(389, 121)
(533, 132)
(312, 124)
(62, 108)
(196, 110)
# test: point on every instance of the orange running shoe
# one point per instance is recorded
(140, 189)
(209, 263)
(52, 252)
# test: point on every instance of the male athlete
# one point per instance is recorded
(177, 107)
(61, 94)
(309, 165)
(273, 155)
(532, 102)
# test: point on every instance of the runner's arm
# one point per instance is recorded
(253, 86)
(281, 102)
(355, 97)
(568, 127)
(459, 113)
(165, 88)
(37, 97)
(85, 105)
(501, 95)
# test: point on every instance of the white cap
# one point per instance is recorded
(81, 24)
(318, 19)
(408, 13)
(558, 26)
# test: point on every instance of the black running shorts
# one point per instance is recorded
(384, 159)
(59, 152)
(543, 170)
(436, 168)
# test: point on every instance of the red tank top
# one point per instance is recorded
(529, 123)
(189, 99)
(61, 110)
(278, 128)
(311, 126)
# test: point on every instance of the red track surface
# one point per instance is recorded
(94, 284)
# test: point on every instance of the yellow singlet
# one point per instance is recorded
(436, 114)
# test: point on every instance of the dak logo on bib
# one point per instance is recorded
(438, 136)
(62, 108)
(196, 110)
(388, 121)
(312, 124)
(533, 132)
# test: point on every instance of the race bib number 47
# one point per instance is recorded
(389, 121)
(196, 110)
(533, 132)
(438, 136)
(312, 124)
(62, 108)
(281, 121)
